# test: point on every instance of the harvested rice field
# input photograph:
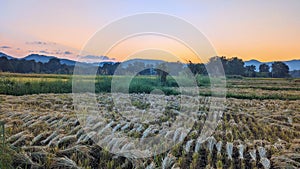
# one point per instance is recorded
(46, 131)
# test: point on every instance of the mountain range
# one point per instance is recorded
(293, 64)
(45, 59)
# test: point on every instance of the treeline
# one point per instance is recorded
(232, 67)
(295, 73)
(236, 66)
(30, 66)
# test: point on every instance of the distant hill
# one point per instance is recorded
(295, 73)
(38, 58)
(45, 59)
(253, 62)
(145, 61)
(293, 64)
(5, 55)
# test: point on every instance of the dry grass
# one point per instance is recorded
(45, 132)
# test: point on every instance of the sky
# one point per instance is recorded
(267, 30)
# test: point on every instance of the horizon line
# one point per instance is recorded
(111, 60)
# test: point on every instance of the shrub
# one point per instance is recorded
(6, 157)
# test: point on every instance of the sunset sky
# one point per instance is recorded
(265, 30)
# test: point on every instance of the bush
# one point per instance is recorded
(6, 157)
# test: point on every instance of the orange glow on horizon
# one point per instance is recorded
(262, 30)
(131, 46)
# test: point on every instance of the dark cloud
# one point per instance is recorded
(92, 57)
(67, 53)
(5, 47)
(40, 43)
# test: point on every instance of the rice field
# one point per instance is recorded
(44, 131)
(257, 127)
(240, 88)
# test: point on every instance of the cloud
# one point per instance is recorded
(58, 52)
(92, 57)
(43, 51)
(68, 53)
(40, 43)
(5, 47)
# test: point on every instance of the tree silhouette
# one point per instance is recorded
(198, 68)
(213, 65)
(5, 65)
(235, 66)
(53, 65)
(232, 66)
(280, 70)
(162, 72)
(264, 68)
(250, 71)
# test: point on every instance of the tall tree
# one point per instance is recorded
(5, 65)
(162, 72)
(197, 68)
(217, 65)
(108, 68)
(53, 65)
(235, 66)
(250, 71)
(264, 68)
(280, 70)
